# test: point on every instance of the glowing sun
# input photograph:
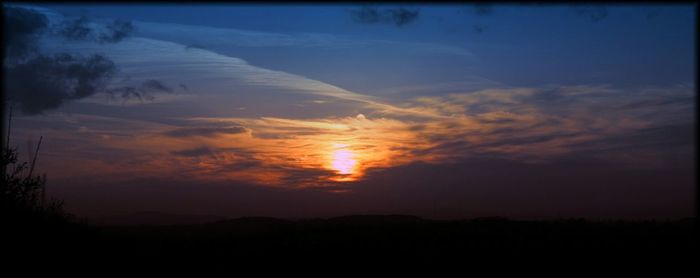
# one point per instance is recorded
(343, 161)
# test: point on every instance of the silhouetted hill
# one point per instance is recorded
(252, 220)
(153, 218)
(381, 239)
(375, 219)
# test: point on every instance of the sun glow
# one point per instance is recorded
(304, 153)
(343, 161)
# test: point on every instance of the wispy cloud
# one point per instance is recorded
(204, 131)
(206, 71)
(216, 38)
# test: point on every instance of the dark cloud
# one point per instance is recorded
(144, 91)
(129, 92)
(479, 28)
(46, 82)
(483, 9)
(658, 103)
(146, 88)
(366, 15)
(526, 140)
(444, 145)
(417, 127)
(76, 29)
(243, 158)
(240, 165)
(594, 14)
(205, 131)
(80, 29)
(403, 16)
(230, 160)
(305, 177)
(155, 85)
(38, 82)
(658, 137)
(21, 31)
(271, 135)
(116, 31)
(496, 121)
(196, 152)
(398, 16)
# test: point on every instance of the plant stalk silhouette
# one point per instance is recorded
(22, 193)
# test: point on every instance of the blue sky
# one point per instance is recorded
(520, 45)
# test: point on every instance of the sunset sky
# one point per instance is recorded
(446, 111)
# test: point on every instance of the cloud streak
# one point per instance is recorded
(211, 38)
(205, 131)
(217, 74)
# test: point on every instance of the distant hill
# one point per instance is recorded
(375, 219)
(153, 218)
(197, 243)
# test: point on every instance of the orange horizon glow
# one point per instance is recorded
(322, 152)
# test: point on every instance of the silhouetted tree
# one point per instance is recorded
(22, 191)
(34, 231)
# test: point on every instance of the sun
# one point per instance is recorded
(343, 161)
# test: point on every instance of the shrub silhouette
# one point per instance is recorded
(33, 229)
(22, 192)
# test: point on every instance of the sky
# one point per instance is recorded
(299, 111)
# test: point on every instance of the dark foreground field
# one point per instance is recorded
(351, 240)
